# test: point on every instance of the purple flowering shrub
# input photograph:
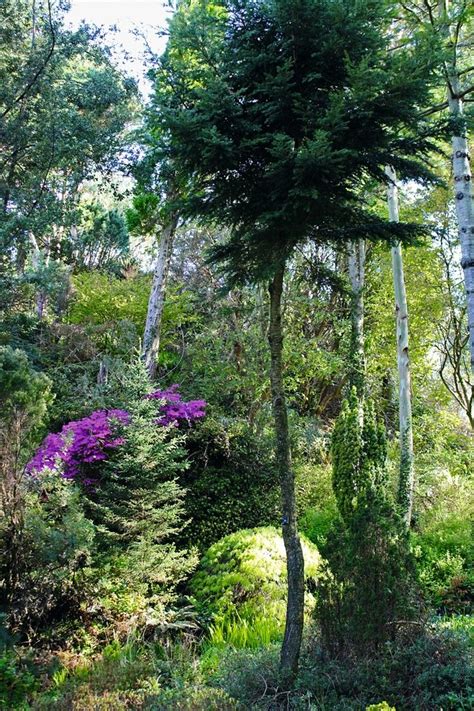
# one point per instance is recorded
(174, 410)
(84, 441)
(91, 439)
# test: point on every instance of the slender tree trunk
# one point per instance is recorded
(151, 337)
(462, 175)
(290, 650)
(41, 297)
(464, 199)
(357, 279)
(407, 460)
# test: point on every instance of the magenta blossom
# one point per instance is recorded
(91, 439)
(82, 441)
(174, 410)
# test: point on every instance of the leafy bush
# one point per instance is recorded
(24, 393)
(250, 676)
(432, 672)
(16, 681)
(193, 699)
(240, 585)
(231, 481)
(444, 550)
(461, 625)
(101, 300)
(55, 544)
(318, 524)
(135, 675)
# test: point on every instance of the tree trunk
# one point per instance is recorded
(465, 215)
(41, 296)
(462, 176)
(407, 471)
(357, 279)
(151, 337)
(290, 650)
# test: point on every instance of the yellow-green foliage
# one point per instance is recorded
(241, 582)
(383, 706)
(100, 299)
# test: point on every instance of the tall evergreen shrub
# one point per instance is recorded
(369, 595)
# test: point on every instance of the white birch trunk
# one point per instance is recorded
(357, 278)
(464, 199)
(407, 461)
(462, 176)
(156, 302)
(41, 297)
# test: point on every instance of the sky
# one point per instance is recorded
(148, 16)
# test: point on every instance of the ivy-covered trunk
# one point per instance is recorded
(290, 650)
(357, 279)
(156, 302)
(406, 480)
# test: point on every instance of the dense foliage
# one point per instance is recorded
(231, 482)
(369, 592)
(241, 204)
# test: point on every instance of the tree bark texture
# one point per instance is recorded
(156, 302)
(462, 177)
(357, 278)
(290, 650)
(465, 216)
(407, 461)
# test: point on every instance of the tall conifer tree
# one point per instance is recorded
(274, 112)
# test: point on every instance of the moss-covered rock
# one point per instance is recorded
(241, 585)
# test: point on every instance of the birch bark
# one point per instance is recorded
(406, 480)
(290, 650)
(462, 177)
(156, 302)
(356, 265)
(41, 296)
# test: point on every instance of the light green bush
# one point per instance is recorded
(241, 586)
(444, 551)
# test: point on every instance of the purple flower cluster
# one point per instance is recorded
(174, 410)
(80, 442)
(90, 440)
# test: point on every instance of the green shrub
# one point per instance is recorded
(317, 525)
(121, 677)
(368, 586)
(56, 541)
(231, 481)
(101, 302)
(444, 551)
(461, 625)
(241, 585)
(17, 682)
(431, 672)
(250, 676)
(192, 699)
